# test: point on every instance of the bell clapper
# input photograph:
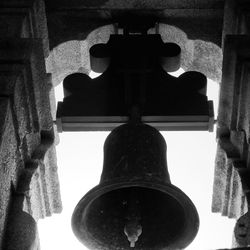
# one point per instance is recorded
(133, 230)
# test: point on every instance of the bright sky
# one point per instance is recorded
(191, 166)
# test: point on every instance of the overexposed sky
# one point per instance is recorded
(190, 158)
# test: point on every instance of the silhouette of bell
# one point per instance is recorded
(135, 206)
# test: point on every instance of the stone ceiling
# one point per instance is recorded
(75, 19)
(135, 4)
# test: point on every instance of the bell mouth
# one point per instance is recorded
(168, 217)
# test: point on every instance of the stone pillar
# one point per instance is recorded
(232, 168)
(29, 187)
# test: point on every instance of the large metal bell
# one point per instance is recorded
(135, 206)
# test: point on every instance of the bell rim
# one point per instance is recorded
(191, 213)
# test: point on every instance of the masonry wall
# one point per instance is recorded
(29, 186)
(232, 175)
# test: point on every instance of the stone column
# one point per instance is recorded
(29, 187)
(232, 168)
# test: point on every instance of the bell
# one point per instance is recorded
(135, 206)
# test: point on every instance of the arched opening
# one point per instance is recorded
(190, 155)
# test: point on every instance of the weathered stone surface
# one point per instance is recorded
(9, 161)
(25, 117)
(27, 130)
(233, 129)
(73, 56)
(68, 21)
(24, 19)
(228, 195)
(197, 55)
(67, 58)
(44, 195)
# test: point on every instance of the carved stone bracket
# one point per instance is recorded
(37, 181)
(228, 195)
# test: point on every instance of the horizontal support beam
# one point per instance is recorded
(164, 123)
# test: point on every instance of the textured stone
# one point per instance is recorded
(24, 19)
(44, 195)
(73, 56)
(228, 195)
(197, 55)
(21, 231)
(67, 58)
(233, 129)
(27, 130)
(8, 161)
(75, 20)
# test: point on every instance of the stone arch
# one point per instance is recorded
(73, 56)
(198, 55)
